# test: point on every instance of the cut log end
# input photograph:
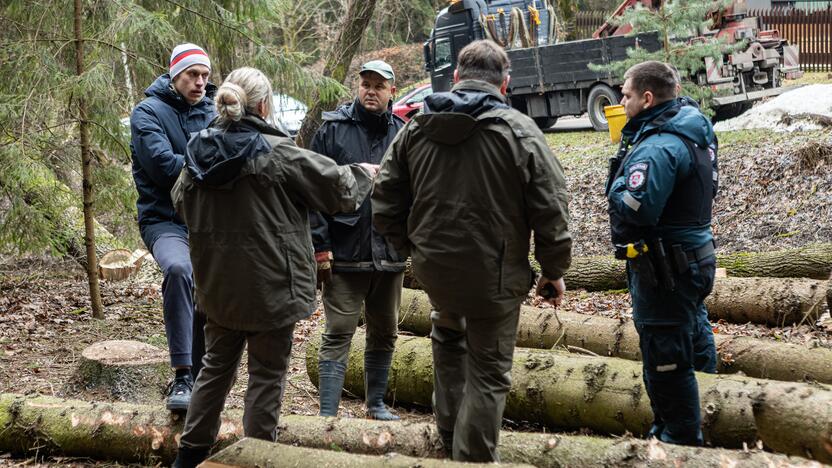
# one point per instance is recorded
(128, 370)
(126, 353)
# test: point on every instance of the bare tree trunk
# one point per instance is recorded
(147, 434)
(811, 261)
(607, 395)
(250, 452)
(89, 221)
(339, 57)
(547, 328)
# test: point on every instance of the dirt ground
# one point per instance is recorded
(46, 323)
(777, 192)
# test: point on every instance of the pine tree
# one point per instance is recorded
(44, 97)
(676, 23)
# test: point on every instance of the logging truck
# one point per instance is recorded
(551, 78)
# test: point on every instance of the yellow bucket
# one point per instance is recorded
(616, 118)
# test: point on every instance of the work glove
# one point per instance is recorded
(324, 261)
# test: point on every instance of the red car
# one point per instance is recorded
(411, 103)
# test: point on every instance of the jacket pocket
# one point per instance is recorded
(345, 237)
(666, 348)
(502, 268)
(290, 270)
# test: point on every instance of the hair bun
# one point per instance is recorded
(231, 101)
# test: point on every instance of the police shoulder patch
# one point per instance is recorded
(637, 176)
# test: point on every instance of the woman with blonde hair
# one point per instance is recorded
(244, 194)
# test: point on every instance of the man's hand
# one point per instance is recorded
(371, 168)
(324, 261)
(551, 290)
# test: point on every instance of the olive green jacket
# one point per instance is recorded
(461, 189)
(244, 194)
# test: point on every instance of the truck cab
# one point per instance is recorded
(456, 26)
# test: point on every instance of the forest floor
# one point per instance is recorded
(776, 192)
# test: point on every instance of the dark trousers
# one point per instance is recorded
(675, 339)
(268, 358)
(704, 349)
(472, 360)
(182, 328)
(378, 293)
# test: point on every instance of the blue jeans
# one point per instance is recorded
(183, 328)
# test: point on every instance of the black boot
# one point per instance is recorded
(376, 369)
(330, 384)
(188, 457)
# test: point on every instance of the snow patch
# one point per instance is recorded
(812, 99)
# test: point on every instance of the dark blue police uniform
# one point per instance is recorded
(660, 193)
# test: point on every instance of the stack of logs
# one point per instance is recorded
(767, 395)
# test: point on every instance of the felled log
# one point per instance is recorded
(356, 435)
(133, 433)
(607, 395)
(544, 328)
(126, 432)
(812, 261)
(126, 370)
(771, 301)
(597, 273)
(256, 453)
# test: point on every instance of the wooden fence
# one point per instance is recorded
(810, 30)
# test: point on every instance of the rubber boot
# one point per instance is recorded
(330, 385)
(188, 457)
(376, 369)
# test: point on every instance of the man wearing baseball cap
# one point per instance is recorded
(178, 103)
(356, 266)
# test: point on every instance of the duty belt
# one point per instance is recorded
(697, 255)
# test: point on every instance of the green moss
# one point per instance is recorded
(158, 340)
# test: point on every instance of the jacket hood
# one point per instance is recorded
(216, 155)
(162, 88)
(677, 116)
(450, 117)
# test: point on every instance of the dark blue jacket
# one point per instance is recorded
(160, 127)
(351, 134)
(654, 166)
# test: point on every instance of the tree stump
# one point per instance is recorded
(129, 370)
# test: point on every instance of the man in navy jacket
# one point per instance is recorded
(178, 103)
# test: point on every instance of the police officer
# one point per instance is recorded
(461, 189)
(660, 192)
(355, 264)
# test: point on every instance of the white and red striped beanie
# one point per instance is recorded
(187, 55)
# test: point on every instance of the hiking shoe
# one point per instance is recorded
(179, 393)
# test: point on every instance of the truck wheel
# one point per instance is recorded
(729, 111)
(545, 122)
(599, 97)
